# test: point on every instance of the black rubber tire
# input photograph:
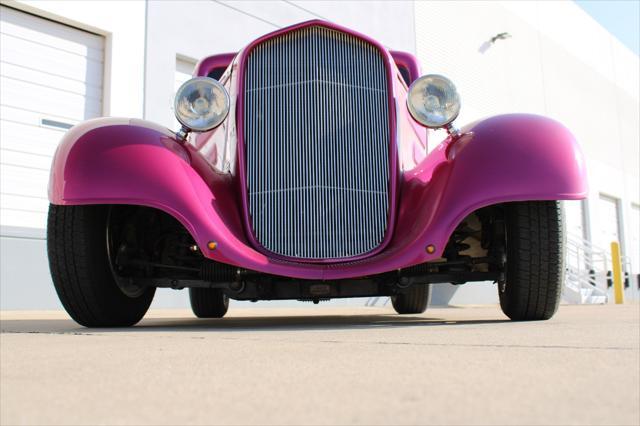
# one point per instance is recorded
(208, 302)
(414, 300)
(534, 262)
(79, 265)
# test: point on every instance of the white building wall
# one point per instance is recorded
(558, 62)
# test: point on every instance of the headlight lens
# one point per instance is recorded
(201, 104)
(433, 101)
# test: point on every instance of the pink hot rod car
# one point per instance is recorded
(301, 171)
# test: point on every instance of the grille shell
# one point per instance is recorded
(317, 144)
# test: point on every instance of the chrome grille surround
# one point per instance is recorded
(317, 142)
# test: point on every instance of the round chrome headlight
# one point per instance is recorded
(433, 101)
(201, 104)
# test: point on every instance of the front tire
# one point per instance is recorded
(413, 300)
(534, 260)
(81, 273)
(208, 302)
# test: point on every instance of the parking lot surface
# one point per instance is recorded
(324, 366)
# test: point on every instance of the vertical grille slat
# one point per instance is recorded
(316, 126)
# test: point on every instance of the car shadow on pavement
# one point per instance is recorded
(245, 323)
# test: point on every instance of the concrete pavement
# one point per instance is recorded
(325, 366)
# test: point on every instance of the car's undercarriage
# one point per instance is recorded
(149, 248)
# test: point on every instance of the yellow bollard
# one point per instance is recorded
(617, 273)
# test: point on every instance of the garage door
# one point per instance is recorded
(51, 78)
(608, 222)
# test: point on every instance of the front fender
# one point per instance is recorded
(514, 157)
(517, 157)
(122, 161)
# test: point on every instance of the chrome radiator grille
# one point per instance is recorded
(316, 132)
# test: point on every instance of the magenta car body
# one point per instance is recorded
(202, 182)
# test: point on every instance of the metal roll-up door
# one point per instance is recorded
(51, 78)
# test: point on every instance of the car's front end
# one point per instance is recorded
(303, 172)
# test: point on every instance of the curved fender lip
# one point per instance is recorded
(118, 129)
(534, 157)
